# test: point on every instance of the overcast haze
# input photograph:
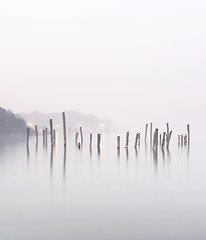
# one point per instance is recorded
(123, 60)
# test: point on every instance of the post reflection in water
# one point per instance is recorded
(51, 161)
(118, 153)
(145, 143)
(136, 153)
(90, 153)
(27, 153)
(163, 153)
(64, 164)
(155, 158)
(36, 148)
(98, 152)
(127, 154)
(168, 154)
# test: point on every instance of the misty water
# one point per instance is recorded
(83, 194)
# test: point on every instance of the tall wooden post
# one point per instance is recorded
(54, 133)
(46, 134)
(127, 140)
(163, 139)
(90, 140)
(136, 140)
(98, 140)
(150, 132)
(27, 137)
(43, 132)
(36, 132)
(51, 132)
(81, 134)
(118, 142)
(64, 128)
(168, 131)
(168, 141)
(188, 133)
(76, 137)
(146, 127)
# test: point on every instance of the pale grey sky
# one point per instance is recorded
(116, 59)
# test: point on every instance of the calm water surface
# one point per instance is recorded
(83, 194)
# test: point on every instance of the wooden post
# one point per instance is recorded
(76, 137)
(43, 132)
(54, 133)
(46, 134)
(188, 133)
(118, 142)
(168, 141)
(163, 139)
(146, 127)
(178, 140)
(36, 132)
(98, 140)
(90, 140)
(154, 139)
(185, 139)
(127, 140)
(160, 139)
(81, 134)
(181, 140)
(139, 138)
(51, 132)
(27, 137)
(168, 131)
(136, 139)
(64, 128)
(150, 132)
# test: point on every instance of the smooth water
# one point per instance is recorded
(83, 194)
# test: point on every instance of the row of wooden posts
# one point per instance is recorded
(164, 139)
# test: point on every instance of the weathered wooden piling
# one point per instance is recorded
(27, 137)
(98, 140)
(178, 140)
(76, 137)
(36, 132)
(46, 134)
(160, 139)
(54, 134)
(181, 140)
(136, 140)
(145, 137)
(163, 139)
(90, 140)
(150, 132)
(118, 142)
(64, 128)
(43, 133)
(81, 134)
(127, 140)
(155, 139)
(139, 138)
(188, 133)
(168, 131)
(51, 132)
(168, 141)
(185, 139)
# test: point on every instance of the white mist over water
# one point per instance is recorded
(82, 194)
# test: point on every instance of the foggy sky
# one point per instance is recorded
(124, 60)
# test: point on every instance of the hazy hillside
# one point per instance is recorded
(10, 123)
(73, 120)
